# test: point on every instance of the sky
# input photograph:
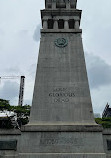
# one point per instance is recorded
(20, 25)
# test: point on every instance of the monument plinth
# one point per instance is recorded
(61, 122)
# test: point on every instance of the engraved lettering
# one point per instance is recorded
(61, 100)
(61, 95)
(61, 141)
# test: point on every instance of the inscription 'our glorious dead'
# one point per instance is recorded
(61, 94)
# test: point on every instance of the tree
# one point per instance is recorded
(22, 112)
(4, 105)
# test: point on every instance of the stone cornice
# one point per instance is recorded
(10, 132)
(62, 128)
(61, 31)
(61, 13)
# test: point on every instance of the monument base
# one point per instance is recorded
(61, 141)
(62, 155)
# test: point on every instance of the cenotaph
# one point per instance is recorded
(61, 122)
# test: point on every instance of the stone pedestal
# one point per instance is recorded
(73, 141)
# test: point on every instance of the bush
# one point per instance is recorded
(6, 123)
(105, 122)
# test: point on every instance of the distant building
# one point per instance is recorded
(107, 111)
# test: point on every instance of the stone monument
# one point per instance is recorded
(61, 123)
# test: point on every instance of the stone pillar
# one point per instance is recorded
(68, 5)
(66, 24)
(54, 4)
(45, 23)
(76, 24)
(55, 23)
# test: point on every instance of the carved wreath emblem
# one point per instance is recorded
(61, 42)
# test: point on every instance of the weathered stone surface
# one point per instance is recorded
(61, 94)
(62, 128)
(7, 136)
(107, 140)
(10, 132)
(86, 155)
(61, 142)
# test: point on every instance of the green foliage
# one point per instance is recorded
(23, 121)
(105, 122)
(4, 105)
(21, 110)
(23, 113)
(6, 123)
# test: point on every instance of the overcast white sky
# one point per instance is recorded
(19, 44)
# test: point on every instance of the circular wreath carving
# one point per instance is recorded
(61, 42)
